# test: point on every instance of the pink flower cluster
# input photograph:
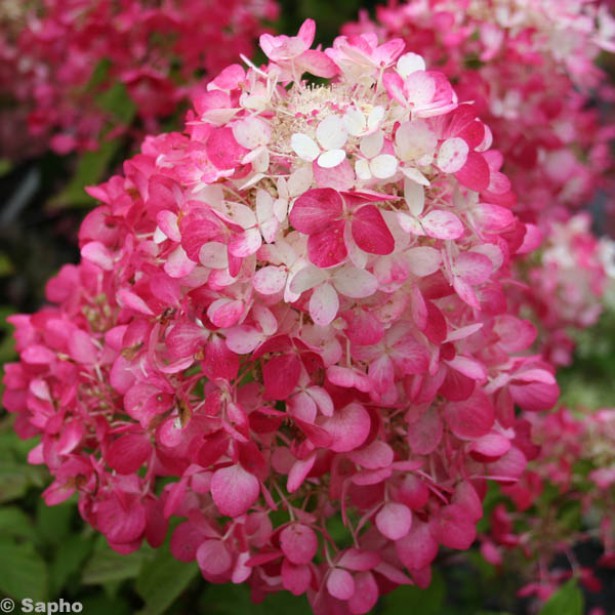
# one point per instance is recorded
(59, 57)
(289, 328)
(566, 287)
(574, 474)
(529, 68)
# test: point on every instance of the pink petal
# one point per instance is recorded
(471, 418)
(298, 543)
(349, 427)
(370, 232)
(277, 387)
(366, 594)
(327, 247)
(128, 453)
(295, 579)
(340, 584)
(418, 548)
(315, 209)
(454, 529)
(442, 225)
(425, 434)
(234, 490)
(270, 280)
(475, 173)
(214, 558)
(394, 520)
(472, 267)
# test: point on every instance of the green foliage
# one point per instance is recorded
(567, 600)
(161, 580)
(411, 599)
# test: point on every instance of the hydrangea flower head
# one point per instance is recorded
(293, 313)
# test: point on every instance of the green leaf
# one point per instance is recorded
(16, 479)
(234, 599)
(14, 523)
(102, 604)
(106, 566)
(162, 580)
(90, 170)
(567, 600)
(411, 599)
(68, 561)
(53, 522)
(22, 572)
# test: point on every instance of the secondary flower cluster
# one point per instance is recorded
(60, 59)
(565, 498)
(289, 328)
(566, 285)
(529, 68)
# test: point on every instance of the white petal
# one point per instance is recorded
(324, 304)
(362, 169)
(354, 121)
(355, 283)
(304, 147)
(371, 145)
(331, 133)
(300, 181)
(415, 175)
(332, 158)
(376, 115)
(409, 63)
(384, 166)
(415, 197)
(213, 255)
(453, 155)
(251, 132)
(269, 280)
(307, 278)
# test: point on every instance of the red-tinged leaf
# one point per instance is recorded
(442, 224)
(348, 427)
(234, 490)
(298, 543)
(370, 231)
(327, 248)
(418, 548)
(394, 520)
(471, 418)
(128, 453)
(281, 375)
(475, 173)
(315, 210)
